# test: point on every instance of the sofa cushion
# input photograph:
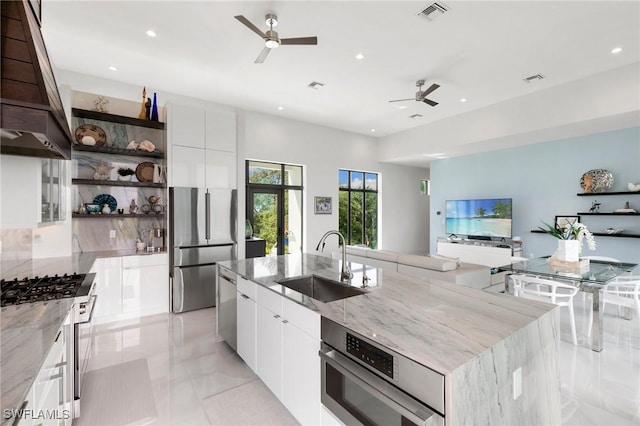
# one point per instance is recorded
(426, 262)
(387, 256)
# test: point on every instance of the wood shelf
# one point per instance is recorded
(608, 214)
(103, 116)
(118, 151)
(599, 234)
(117, 183)
(115, 216)
(597, 194)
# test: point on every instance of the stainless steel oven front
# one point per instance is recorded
(364, 383)
(83, 334)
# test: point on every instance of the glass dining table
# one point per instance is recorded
(590, 279)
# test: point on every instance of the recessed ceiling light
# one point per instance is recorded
(463, 100)
(616, 50)
(373, 130)
(112, 68)
(280, 108)
(151, 33)
(359, 56)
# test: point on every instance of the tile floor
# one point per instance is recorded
(171, 370)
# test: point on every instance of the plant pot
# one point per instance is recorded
(126, 178)
(568, 250)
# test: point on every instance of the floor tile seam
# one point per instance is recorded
(226, 390)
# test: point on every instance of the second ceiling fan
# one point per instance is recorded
(271, 38)
(421, 96)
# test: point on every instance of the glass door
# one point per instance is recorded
(265, 212)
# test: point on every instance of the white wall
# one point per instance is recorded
(322, 150)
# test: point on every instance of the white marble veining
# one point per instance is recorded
(436, 324)
(28, 332)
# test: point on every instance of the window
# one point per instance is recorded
(274, 205)
(358, 209)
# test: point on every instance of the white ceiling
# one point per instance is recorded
(478, 50)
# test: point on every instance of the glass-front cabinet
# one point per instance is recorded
(53, 191)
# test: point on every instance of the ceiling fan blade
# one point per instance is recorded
(430, 102)
(299, 40)
(262, 56)
(249, 25)
(402, 100)
(430, 89)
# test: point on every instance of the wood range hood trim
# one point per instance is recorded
(32, 117)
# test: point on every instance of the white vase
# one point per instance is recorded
(126, 178)
(569, 250)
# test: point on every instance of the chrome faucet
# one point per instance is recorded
(345, 273)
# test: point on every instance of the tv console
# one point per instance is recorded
(480, 252)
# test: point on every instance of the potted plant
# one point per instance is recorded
(570, 237)
(125, 173)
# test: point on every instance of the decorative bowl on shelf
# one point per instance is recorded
(93, 208)
(613, 231)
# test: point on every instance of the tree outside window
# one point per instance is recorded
(358, 207)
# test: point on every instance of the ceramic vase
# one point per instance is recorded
(568, 250)
(154, 108)
(248, 229)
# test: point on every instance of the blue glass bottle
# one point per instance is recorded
(154, 108)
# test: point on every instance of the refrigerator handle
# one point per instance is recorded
(178, 291)
(207, 213)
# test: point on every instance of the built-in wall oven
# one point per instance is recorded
(364, 383)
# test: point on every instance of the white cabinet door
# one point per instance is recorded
(246, 322)
(220, 169)
(145, 290)
(269, 353)
(186, 126)
(188, 167)
(109, 289)
(221, 130)
(21, 191)
(301, 374)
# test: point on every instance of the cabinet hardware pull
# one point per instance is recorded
(58, 336)
(276, 316)
(284, 321)
(244, 295)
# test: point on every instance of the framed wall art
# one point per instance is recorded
(322, 205)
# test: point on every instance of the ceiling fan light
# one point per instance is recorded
(271, 44)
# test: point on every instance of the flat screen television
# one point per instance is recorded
(479, 218)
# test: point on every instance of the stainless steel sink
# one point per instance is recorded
(320, 288)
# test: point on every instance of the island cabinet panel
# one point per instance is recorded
(246, 322)
(301, 374)
(145, 285)
(269, 362)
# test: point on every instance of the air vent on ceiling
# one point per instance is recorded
(415, 116)
(315, 85)
(533, 78)
(434, 10)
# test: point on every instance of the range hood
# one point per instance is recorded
(32, 117)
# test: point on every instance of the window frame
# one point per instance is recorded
(362, 191)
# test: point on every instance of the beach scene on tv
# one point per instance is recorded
(488, 217)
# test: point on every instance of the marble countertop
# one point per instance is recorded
(29, 330)
(438, 324)
(78, 262)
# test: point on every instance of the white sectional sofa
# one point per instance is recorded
(426, 267)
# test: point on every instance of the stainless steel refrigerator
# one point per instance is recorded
(202, 229)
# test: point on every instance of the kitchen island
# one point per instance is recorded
(478, 341)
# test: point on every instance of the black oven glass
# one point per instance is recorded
(359, 403)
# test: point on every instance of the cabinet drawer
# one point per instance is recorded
(303, 318)
(269, 300)
(145, 260)
(247, 287)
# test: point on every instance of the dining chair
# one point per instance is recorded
(623, 291)
(546, 290)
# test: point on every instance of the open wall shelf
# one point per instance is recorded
(599, 234)
(608, 214)
(118, 151)
(116, 183)
(103, 116)
(116, 216)
(598, 194)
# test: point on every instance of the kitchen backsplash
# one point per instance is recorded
(93, 234)
(15, 244)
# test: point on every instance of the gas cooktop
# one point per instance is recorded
(28, 290)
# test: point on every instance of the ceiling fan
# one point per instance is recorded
(271, 38)
(420, 95)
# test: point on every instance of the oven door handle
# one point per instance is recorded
(395, 399)
(93, 306)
